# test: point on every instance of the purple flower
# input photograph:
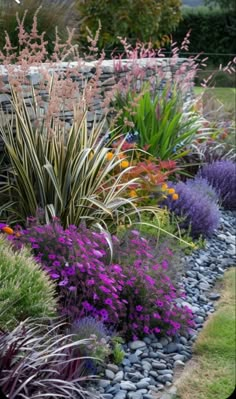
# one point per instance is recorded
(97, 253)
(105, 289)
(104, 314)
(63, 283)
(146, 330)
(108, 301)
(139, 308)
(87, 306)
(54, 275)
(90, 282)
(56, 263)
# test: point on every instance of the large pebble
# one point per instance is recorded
(137, 345)
(128, 386)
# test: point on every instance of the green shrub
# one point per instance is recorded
(25, 289)
(212, 31)
(159, 121)
(136, 20)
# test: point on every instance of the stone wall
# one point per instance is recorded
(160, 70)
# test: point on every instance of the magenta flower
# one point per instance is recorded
(146, 330)
(108, 301)
(104, 314)
(54, 275)
(56, 263)
(90, 282)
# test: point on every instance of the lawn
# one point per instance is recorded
(212, 375)
(225, 95)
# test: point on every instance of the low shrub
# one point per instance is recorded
(195, 202)
(222, 176)
(25, 289)
(38, 360)
(133, 294)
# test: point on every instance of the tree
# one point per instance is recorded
(224, 4)
(142, 20)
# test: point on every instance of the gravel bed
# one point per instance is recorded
(149, 364)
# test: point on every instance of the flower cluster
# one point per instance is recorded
(222, 176)
(197, 204)
(133, 294)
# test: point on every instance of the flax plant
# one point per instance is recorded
(64, 171)
(38, 359)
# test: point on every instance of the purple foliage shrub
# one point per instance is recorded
(133, 295)
(196, 205)
(222, 176)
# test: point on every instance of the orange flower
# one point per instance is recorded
(124, 164)
(109, 156)
(175, 197)
(133, 194)
(17, 234)
(171, 191)
(164, 187)
(7, 230)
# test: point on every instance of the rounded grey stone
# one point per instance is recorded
(109, 374)
(120, 395)
(119, 376)
(143, 383)
(158, 365)
(128, 386)
(137, 345)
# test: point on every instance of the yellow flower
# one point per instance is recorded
(175, 197)
(7, 230)
(171, 190)
(133, 194)
(124, 164)
(109, 156)
(164, 187)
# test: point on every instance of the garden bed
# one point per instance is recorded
(149, 365)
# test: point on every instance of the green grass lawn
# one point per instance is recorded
(212, 374)
(225, 95)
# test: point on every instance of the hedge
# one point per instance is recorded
(212, 31)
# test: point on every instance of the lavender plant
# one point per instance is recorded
(195, 202)
(222, 176)
(99, 335)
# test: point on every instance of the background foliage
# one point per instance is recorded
(51, 15)
(135, 19)
(212, 31)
